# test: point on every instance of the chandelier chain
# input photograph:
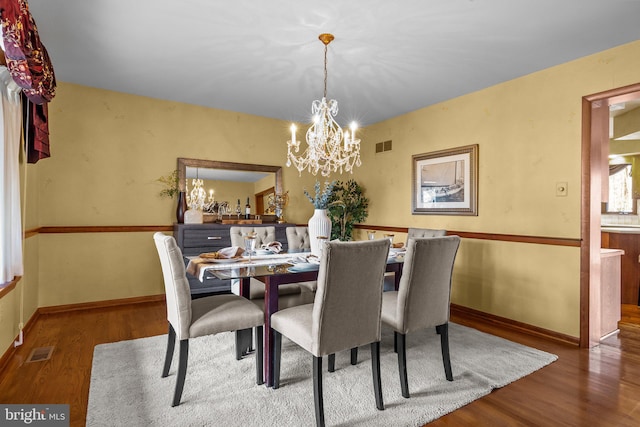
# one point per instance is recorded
(326, 46)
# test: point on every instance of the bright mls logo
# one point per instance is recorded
(36, 415)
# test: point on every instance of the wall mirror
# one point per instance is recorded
(230, 182)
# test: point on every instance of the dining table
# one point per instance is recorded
(274, 270)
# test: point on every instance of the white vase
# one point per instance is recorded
(319, 225)
(193, 216)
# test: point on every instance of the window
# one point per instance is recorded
(620, 189)
(10, 207)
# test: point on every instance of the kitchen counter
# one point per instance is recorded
(631, 229)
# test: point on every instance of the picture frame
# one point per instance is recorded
(445, 182)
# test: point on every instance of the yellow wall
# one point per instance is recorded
(19, 305)
(529, 136)
(109, 148)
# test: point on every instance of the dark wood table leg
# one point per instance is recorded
(270, 307)
(244, 338)
(244, 286)
(398, 275)
(396, 269)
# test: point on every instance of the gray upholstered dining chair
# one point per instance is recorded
(290, 294)
(345, 313)
(423, 298)
(298, 240)
(425, 232)
(414, 232)
(263, 235)
(203, 316)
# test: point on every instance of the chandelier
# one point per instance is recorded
(197, 198)
(329, 148)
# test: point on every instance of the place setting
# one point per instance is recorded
(270, 253)
(306, 262)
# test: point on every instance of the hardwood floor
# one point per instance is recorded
(65, 377)
(629, 324)
(585, 387)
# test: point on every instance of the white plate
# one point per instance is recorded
(264, 252)
(304, 266)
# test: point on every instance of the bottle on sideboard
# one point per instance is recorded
(247, 210)
(182, 207)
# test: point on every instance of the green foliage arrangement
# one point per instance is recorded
(170, 183)
(347, 206)
(322, 198)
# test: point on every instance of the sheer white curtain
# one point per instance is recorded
(10, 221)
(620, 185)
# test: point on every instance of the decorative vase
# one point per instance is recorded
(193, 216)
(319, 225)
(182, 207)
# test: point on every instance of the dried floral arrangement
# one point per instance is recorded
(321, 198)
(171, 185)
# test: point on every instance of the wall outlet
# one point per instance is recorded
(561, 189)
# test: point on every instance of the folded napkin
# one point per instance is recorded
(313, 259)
(275, 247)
(224, 253)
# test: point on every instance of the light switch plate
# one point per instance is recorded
(561, 189)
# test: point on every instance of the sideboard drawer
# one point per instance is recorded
(197, 241)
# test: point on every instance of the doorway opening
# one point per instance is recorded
(595, 173)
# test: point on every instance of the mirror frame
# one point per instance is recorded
(214, 164)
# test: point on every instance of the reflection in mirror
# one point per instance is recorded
(226, 184)
(624, 158)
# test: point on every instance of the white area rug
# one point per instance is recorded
(126, 388)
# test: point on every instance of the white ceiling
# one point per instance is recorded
(264, 58)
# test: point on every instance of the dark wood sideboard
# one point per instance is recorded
(194, 239)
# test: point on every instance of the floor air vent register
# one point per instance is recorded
(40, 354)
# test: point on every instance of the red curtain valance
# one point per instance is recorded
(27, 59)
(30, 67)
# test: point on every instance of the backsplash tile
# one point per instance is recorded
(617, 219)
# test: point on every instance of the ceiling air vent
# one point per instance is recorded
(383, 146)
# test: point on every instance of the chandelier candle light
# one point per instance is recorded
(329, 149)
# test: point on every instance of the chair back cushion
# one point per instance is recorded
(263, 235)
(176, 285)
(425, 232)
(298, 238)
(348, 302)
(424, 292)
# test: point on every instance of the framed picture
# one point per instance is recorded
(446, 182)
